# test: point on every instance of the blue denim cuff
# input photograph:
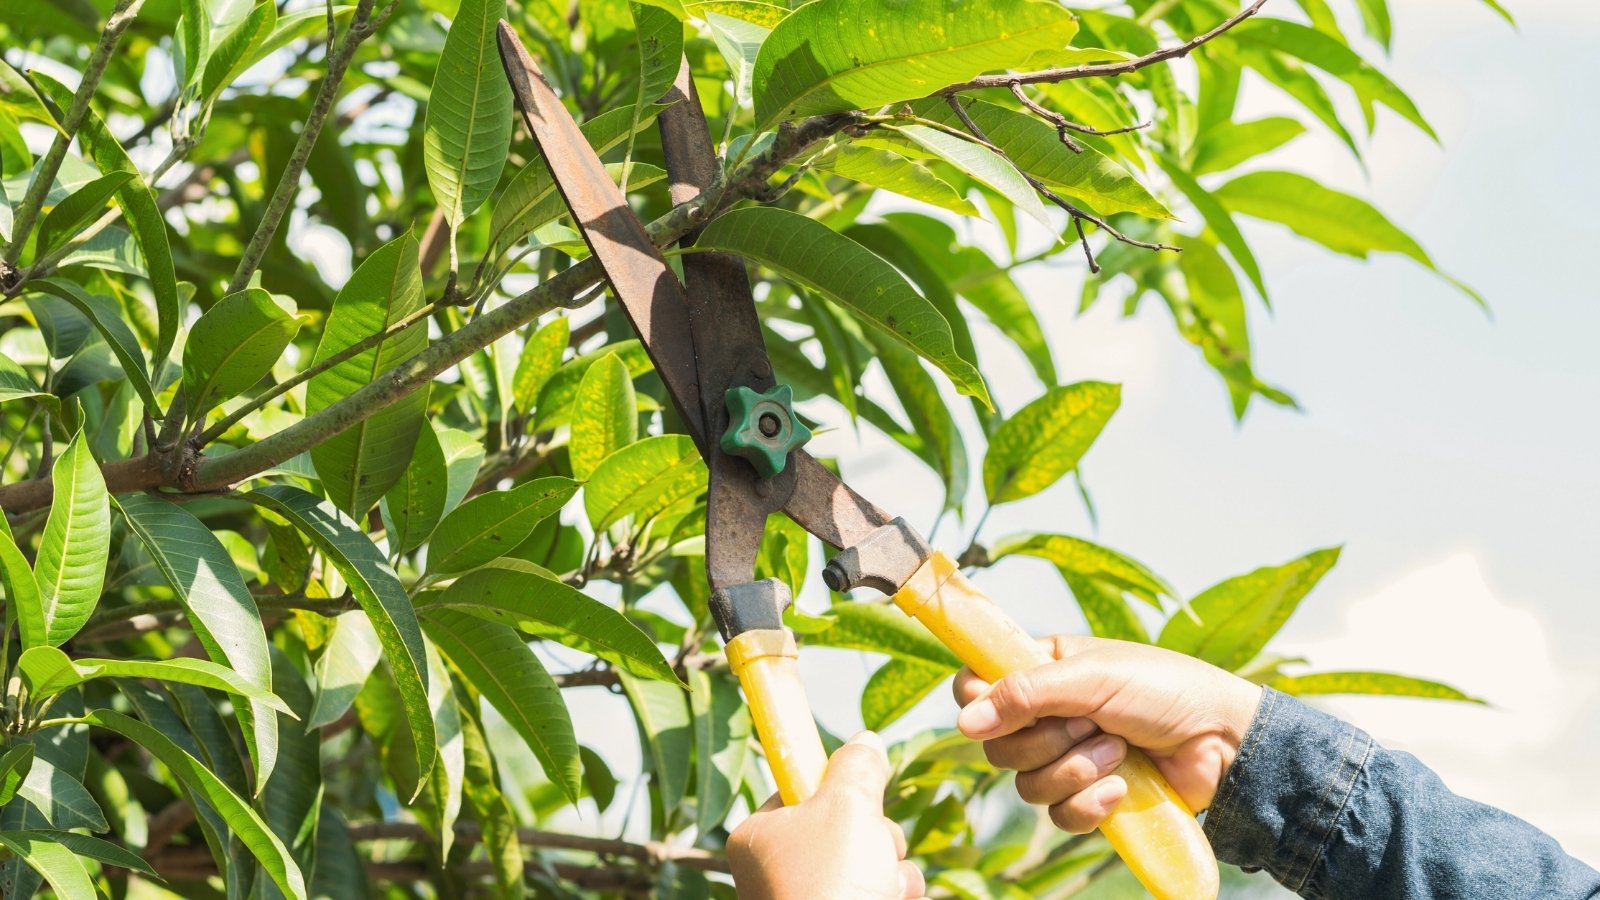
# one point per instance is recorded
(1283, 795)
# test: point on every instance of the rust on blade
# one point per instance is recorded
(651, 296)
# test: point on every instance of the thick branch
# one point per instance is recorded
(121, 16)
(1103, 70)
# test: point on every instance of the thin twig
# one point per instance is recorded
(1064, 124)
(39, 189)
(361, 27)
(650, 852)
(1078, 214)
(1103, 70)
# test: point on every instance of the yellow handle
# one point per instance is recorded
(764, 660)
(1152, 829)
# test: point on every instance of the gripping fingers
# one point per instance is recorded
(1038, 745)
(1074, 771)
(1084, 811)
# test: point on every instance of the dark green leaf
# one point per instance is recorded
(72, 214)
(380, 594)
(490, 525)
(848, 274)
(498, 664)
(468, 128)
(107, 319)
(232, 346)
(722, 734)
(361, 463)
(666, 725)
(416, 502)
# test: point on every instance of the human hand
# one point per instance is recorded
(838, 844)
(1065, 726)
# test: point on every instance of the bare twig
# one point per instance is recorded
(1063, 124)
(1103, 70)
(1079, 215)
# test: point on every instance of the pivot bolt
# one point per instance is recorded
(762, 428)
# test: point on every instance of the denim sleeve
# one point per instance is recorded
(1330, 813)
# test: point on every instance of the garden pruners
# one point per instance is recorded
(705, 340)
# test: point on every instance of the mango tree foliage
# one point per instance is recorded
(333, 484)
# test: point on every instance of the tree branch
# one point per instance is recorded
(1102, 70)
(122, 15)
(211, 473)
(361, 27)
(652, 853)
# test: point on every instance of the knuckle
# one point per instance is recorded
(1071, 820)
(1013, 695)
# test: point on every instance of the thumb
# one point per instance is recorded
(1065, 688)
(858, 772)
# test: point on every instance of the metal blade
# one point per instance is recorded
(651, 296)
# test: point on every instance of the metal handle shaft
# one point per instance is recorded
(1152, 829)
(764, 660)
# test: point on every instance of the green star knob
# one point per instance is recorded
(762, 428)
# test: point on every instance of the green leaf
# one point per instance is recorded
(416, 502)
(1105, 608)
(667, 726)
(899, 175)
(755, 12)
(490, 525)
(498, 664)
(539, 604)
(349, 657)
(203, 786)
(896, 687)
(1035, 148)
(540, 359)
(193, 40)
(1384, 683)
(722, 734)
(71, 566)
(489, 805)
(234, 51)
(232, 346)
(847, 274)
(341, 865)
(59, 796)
(643, 479)
(463, 455)
(1291, 77)
(540, 203)
(47, 672)
(1238, 616)
(1089, 561)
(23, 598)
(605, 415)
(139, 208)
(1217, 218)
(875, 628)
(292, 797)
(17, 384)
(739, 41)
(297, 26)
(14, 767)
(220, 608)
(835, 55)
(1045, 439)
(468, 127)
(93, 848)
(18, 97)
(932, 424)
(1227, 144)
(1333, 56)
(380, 593)
(107, 319)
(61, 867)
(982, 164)
(361, 463)
(445, 786)
(1338, 221)
(660, 37)
(78, 210)
(554, 404)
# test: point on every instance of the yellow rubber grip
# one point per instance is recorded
(764, 660)
(1152, 829)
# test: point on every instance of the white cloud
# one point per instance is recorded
(1444, 621)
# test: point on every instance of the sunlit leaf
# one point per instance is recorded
(605, 415)
(490, 525)
(1382, 683)
(469, 117)
(1044, 440)
(644, 479)
(232, 346)
(71, 566)
(1238, 616)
